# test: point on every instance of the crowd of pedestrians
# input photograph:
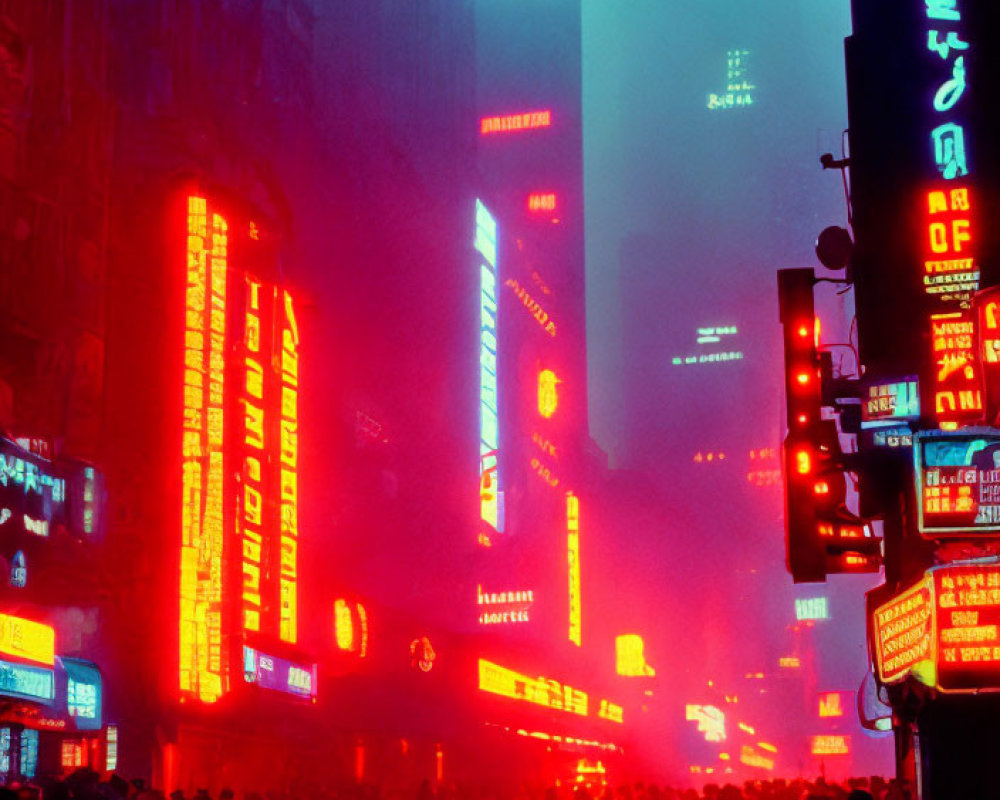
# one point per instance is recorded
(88, 785)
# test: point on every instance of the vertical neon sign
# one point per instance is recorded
(490, 497)
(950, 270)
(202, 666)
(288, 581)
(251, 516)
(573, 560)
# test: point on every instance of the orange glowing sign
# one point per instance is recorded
(987, 303)
(903, 633)
(540, 691)
(752, 758)
(203, 669)
(573, 563)
(515, 122)
(548, 397)
(24, 638)
(831, 705)
(830, 745)
(542, 201)
(950, 271)
(789, 662)
(629, 656)
(956, 380)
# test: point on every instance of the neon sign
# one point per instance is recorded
(956, 383)
(534, 307)
(541, 201)
(202, 666)
(515, 122)
(739, 92)
(789, 662)
(289, 494)
(490, 493)
(541, 691)
(711, 721)
(752, 758)
(987, 304)
(968, 627)
(611, 711)
(573, 561)
(958, 484)
(949, 269)
(629, 657)
(811, 608)
(504, 607)
(548, 396)
(888, 403)
(31, 493)
(830, 745)
(24, 638)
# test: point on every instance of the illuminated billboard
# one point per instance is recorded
(490, 491)
(811, 608)
(958, 483)
(967, 616)
(903, 635)
(541, 691)
(505, 607)
(629, 656)
(711, 721)
(830, 745)
(24, 638)
(30, 683)
(239, 458)
(832, 704)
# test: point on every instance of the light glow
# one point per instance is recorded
(548, 396)
(24, 638)
(541, 201)
(710, 719)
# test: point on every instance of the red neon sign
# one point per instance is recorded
(515, 122)
(950, 271)
(956, 380)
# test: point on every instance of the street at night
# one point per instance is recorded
(499, 400)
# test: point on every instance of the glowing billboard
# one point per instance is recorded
(541, 691)
(490, 492)
(711, 721)
(24, 638)
(832, 704)
(288, 448)
(739, 91)
(811, 608)
(30, 683)
(629, 656)
(967, 615)
(203, 671)
(278, 674)
(888, 403)
(541, 201)
(830, 745)
(504, 607)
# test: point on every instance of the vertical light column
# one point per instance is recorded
(573, 562)
(288, 581)
(490, 499)
(251, 506)
(202, 667)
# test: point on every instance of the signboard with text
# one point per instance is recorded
(958, 484)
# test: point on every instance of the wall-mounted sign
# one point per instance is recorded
(24, 638)
(611, 711)
(888, 403)
(903, 635)
(958, 483)
(541, 691)
(350, 627)
(967, 613)
(629, 656)
(573, 568)
(832, 704)
(278, 674)
(987, 304)
(956, 379)
(739, 90)
(30, 683)
(541, 201)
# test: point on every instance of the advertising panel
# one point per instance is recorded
(24, 638)
(958, 483)
(29, 683)
(278, 674)
(968, 627)
(903, 630)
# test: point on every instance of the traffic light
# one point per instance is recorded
(822, 535)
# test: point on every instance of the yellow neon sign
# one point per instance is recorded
(548, 393)
(289, 444)
(573, 560)
(24, 638)
(202, 668)
(252, 505)
(611, 711)
(540, 691)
